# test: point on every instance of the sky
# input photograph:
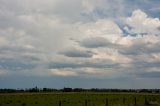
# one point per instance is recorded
(80, 43)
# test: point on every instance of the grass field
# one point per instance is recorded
(79, 99)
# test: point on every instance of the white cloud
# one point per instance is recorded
(101, 28)
(141, 23)
(88, 5)
(111, 54)
(90, 71)
(65, 72)
(11, 35)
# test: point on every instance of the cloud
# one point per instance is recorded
(149, 75)
(155, 9)
(73, 52)
(87, 71)
(141, 23)
(14, 65)
(104, 8)
(111, 54)
(140, 45)
(88, 5)
(3, 72)
(99, 46)
(63, 72)
(94, 42)
(81, 64)
(101, 27)
(79, 38)
(100, 43)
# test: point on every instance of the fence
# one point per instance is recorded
(124, 103)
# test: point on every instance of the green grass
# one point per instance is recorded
(79, 99)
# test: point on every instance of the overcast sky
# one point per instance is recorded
(80, 43)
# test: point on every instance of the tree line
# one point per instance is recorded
(36, 89)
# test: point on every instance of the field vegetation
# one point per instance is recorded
(79, 99)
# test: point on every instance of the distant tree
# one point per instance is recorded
(67, 89)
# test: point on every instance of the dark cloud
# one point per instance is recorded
(18, 49)
(101, 65)
(149, 75)
(158, 28)
(72, 52)
(14, 58)
(15, 64)
(141, 48)
(20, 53)
(141, 65)
(96, 42)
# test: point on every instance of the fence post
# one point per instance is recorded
(85, 102)
(146, 102)
(106, 101)
(135, 101)
(59, 103)
(124, 100)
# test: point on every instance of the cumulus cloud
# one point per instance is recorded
(100, 45)
(140, 22)
(146, 44)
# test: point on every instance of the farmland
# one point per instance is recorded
(79, 99)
